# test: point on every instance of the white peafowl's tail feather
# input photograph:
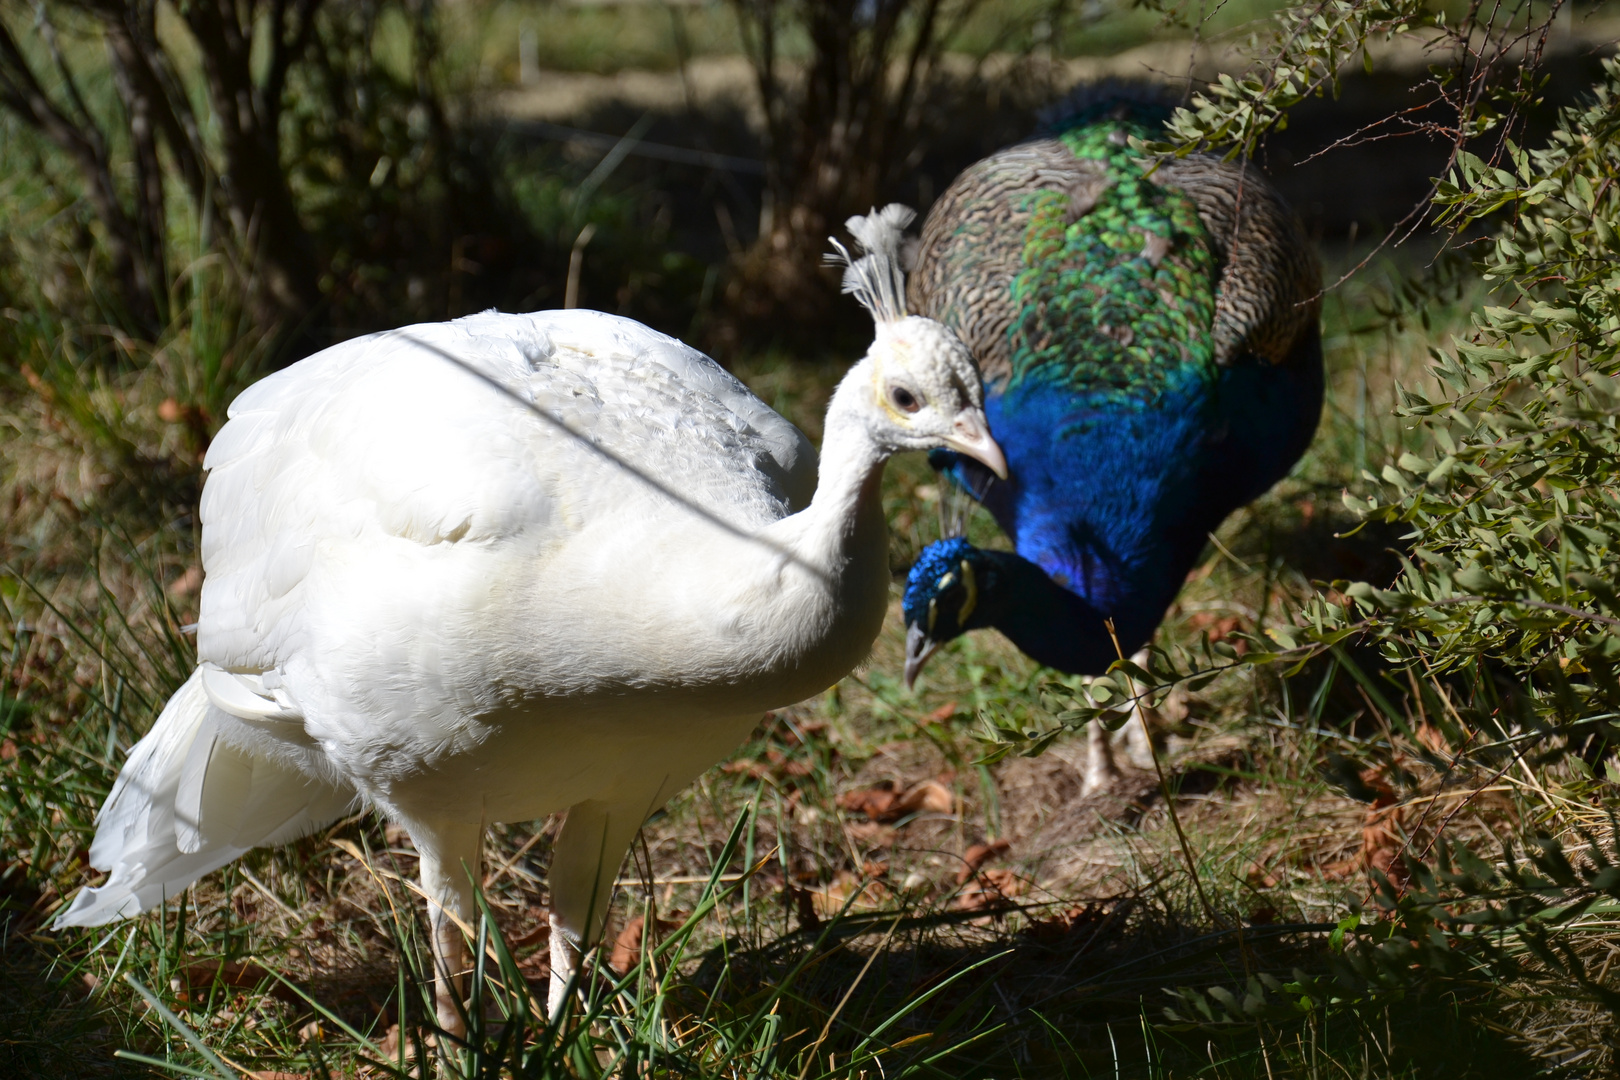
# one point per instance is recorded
(187, 803)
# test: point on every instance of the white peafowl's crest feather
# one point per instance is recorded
(876, 279)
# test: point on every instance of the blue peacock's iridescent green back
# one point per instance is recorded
(1117, 303)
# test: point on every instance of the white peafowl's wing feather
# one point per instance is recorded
(428, 437)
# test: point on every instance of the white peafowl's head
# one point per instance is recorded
(925, 388)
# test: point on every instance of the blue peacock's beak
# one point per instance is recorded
(972, 437)
(919, 647)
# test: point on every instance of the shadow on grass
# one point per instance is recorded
(50, 1024)
(1084, 994)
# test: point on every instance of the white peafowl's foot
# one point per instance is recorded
(448, 989)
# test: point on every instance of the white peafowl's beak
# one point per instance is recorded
(919, 646)
(972, 437)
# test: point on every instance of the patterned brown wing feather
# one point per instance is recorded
(1268, 293)
(973, 243)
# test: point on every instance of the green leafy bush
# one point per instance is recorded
(1514, 515)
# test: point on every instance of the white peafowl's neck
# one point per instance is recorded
(815, 615)
(845, 518)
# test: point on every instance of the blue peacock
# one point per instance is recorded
(1151, 348)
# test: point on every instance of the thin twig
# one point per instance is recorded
(1164, 786)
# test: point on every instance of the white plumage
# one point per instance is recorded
(502, 567)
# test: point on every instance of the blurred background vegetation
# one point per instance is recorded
(198, 193)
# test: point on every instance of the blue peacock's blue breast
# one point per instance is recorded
(1100, 488)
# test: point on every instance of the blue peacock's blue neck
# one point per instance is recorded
(1106, 510)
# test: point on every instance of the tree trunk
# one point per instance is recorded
(834, 143)
(262, 211)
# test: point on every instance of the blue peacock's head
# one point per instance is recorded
(946, 594)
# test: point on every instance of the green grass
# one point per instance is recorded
(599, 38)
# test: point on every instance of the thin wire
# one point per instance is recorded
(607, 455)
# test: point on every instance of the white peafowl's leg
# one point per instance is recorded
(584, 864)
(450, 854)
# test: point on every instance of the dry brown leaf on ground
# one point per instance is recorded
(627, 945)
(1055, 928)
(886, 801)
(871, 834)
(990, 890)
(979, 854)
(1384, 795)
(536, 967)
(388, 1048)
(833, 899)
(942, 714)
(1219, 628)
(539, 932)
(876, 802)
(1383, 838)
(1383, 835)
(928, 797)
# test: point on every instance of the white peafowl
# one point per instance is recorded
(510, 565)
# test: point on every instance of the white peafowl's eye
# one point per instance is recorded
(903, 399)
